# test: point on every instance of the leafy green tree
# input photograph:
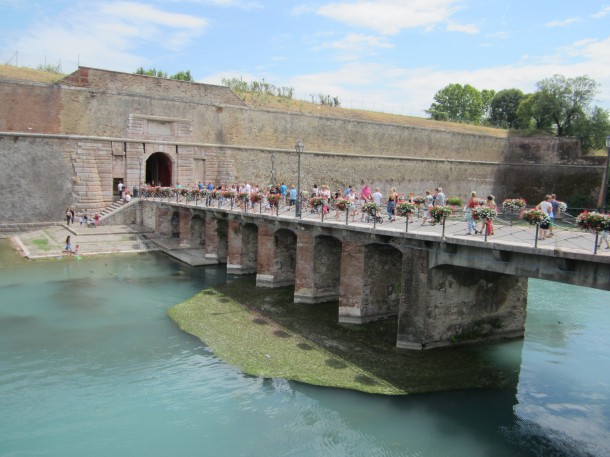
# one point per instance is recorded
(458, 103)
(151, 72)
(182, 76)
(503, 109)
(592, 129)
(566, 99)
(532, 108)
(487, 96)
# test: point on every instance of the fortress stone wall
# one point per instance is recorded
(79, 135)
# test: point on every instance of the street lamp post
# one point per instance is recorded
(606, 171)
(299, 148)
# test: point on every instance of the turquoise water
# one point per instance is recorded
(90, 365)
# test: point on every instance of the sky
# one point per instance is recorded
(382, 55)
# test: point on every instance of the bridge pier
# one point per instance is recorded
(276, 257)
(370, 282)
(215, 236)
(318, 268)
(242, 247)
(446, 304)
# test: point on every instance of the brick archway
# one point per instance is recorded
(159, 169)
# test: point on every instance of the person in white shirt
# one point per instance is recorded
(377, 196)
(546, 207)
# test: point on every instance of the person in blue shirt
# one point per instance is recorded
(283, 191)
(200, 185)
(293, 196)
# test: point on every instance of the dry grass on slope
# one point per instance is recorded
(300, 106)
(28, 74)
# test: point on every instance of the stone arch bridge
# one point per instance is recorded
(442, 292)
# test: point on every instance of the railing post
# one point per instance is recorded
(596, 240)
(536, 239)
(346, 215)
(374, 218)
(486, 229)
(197, 199)
(231, 203)
(407, 223)
(443, 224)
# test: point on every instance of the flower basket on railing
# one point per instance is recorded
(370, 208)
(405, 208)
(228, 194)
(183, 191)
(593, 221)
(165, 191)
(514, 204)
(215, 194)
(438, 213)
(274, 199)
(419, 200)
(316, 202)
(243, 197)
(484, 212)
(204, 193)
(535, 217)
(563, 206)
(342, 204)
(255, 198)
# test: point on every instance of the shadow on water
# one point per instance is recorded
(371, 347)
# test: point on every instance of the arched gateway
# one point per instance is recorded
(159, 169)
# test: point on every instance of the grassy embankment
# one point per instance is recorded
(263, 333)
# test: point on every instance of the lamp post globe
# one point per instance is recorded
(299, 147)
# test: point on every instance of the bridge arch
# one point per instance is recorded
(159, 169)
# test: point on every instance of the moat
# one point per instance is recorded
(91, 364)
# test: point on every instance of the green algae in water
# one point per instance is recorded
(265, 334)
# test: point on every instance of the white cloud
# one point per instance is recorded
(562, 23)
(389, 17)
(466, 28)
(356, 42)
(603, 12)
(108, 35)
(410, 91)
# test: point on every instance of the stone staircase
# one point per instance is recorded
(111, 208)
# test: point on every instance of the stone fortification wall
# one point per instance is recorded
(109, 124)
(35, 179)
(29, 107)
(99, 102)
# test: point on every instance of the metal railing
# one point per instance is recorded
(508, 227)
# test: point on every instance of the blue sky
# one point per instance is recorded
(386, 55)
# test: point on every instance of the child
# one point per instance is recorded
(76, 250)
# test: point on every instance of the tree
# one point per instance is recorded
(532, 107)
(457, 103)
(566, 99)
(592, 129)
(151, 72)
(182, 76)
(503, 109)
(487, 96)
